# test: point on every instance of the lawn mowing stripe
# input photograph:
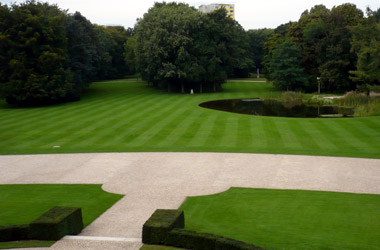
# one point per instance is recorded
(204, 130)
(190, 129)
(40, 120)
(304, 139)
(324, 142)
(59, 110)
(136, 120)
(259, 140)
(244, 131)
(371, 123)
(356, 135)
(177, 128)
(229, 138)
(74, 122)
(120, 120)
(146, 126)
(274, 138)
(77, 127)
(217, 130)
(339, 141)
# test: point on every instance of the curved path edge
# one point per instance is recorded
(163, 180)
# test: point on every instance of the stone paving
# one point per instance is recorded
(164, 180)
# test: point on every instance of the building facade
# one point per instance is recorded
(230, 8)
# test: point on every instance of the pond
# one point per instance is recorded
(255, 106)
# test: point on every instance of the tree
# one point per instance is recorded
(130, 55)
(82, 42)
(366, 44)
(256, 51)
(286, 66)
(179, 47)
(339, 58)
(34, 53)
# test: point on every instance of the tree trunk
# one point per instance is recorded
(214, 87)
(182, 87)
(169, 88)
(200, 88)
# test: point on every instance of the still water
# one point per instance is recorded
(254, 106)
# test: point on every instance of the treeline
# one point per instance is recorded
(48, 55)
(340, 47)
(179, 48)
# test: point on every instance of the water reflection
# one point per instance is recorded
(254, 106)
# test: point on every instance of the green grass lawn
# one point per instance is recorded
(288, 219)
(131, 116)
(21, 204)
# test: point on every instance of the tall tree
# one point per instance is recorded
(34, 54)
(286, 66)
(179, 47)
(339, 58)
(366, 44)
(257, 39)
(82, 42)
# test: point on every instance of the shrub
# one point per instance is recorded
(14, 232)
(157, 227)
(56, 223)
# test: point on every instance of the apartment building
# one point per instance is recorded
(230, 8)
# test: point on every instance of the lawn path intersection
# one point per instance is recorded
(163, 180)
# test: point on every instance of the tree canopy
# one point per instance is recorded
(48, 55)
(178, 47)
(339, 45)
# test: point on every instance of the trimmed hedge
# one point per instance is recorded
(52, 225)
(205, 241)
(165, 227)
(56, 223)
(162, 221)
(14, 232)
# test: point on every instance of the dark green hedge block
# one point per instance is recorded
(14, 233)
(157, 227)
(231, 244)
(191, 239)
(56, 223)
(205, 241)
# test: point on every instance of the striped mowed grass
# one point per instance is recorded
(131, 116)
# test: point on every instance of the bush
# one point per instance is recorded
(56, 223)
(162, 221)
(14, 232)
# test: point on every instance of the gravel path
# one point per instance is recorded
(163, 180)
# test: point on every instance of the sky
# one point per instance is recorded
(251, 14)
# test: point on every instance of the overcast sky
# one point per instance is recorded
(251, 14)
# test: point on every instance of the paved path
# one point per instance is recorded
(163, 180)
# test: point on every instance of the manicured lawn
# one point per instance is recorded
(131, 116)
(26, 244)
(21, 204)
(288, 219)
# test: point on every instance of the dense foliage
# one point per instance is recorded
(48, 55)
(181, 48)
(340, 46)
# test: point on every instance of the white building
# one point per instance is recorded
(230, 8)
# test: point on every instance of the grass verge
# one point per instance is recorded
(21, 204)
(288, 219)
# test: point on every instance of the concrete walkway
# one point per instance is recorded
(163, 180)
